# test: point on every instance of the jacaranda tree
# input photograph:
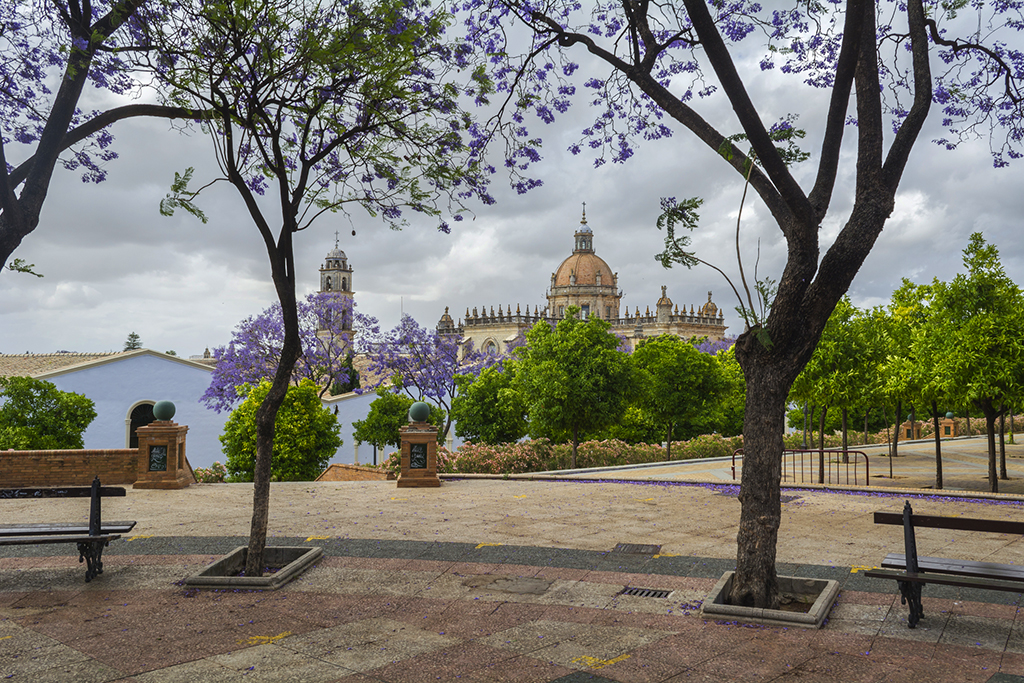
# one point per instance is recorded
(51, 52)
(318, 106)
(329, 331)
(423, 364)
(875, 59)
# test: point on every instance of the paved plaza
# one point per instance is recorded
(488, 579)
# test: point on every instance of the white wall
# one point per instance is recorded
(118, 385)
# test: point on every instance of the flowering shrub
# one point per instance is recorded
(706, 446)
(214, 474)
(509, 458)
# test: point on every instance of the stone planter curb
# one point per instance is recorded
(825, 590)
(292, 560)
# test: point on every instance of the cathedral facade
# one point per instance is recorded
(586, 281)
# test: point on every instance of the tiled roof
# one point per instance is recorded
(31, 364)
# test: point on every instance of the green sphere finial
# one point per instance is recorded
(949, 416)
(163, 410)
(419, 412)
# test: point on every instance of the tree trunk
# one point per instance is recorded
(990, 428)
(805, 426)
(846, 454)
(888, 440)
(938, 446)
(896, 440)
(755, 582)
(821, 445)
(668, 443)
(1011, 427)
(866, 413)
(1002, 443)
(266, 414)
(969, 422)
(575, 443)
(813, 408)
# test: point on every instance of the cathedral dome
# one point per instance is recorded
(583, 268)
(336, 254)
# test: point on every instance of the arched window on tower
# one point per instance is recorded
(328, 287)
(344, 284)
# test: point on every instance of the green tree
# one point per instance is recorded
(734, 396)
(351, 375)
(133, 342)
(306, 434)
(834, 376)
(976, 339)
(490, 408)
(389, 412)
(574, 377)
(681, 387)
(35, 415)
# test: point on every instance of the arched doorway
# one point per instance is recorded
(140, 416)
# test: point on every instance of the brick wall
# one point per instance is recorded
(68, 467)
(339, 472)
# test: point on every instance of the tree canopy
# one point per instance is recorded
(306, 435)
(574, 378)
(680, 387)
(329, 327)
(35, 415)
(489, 407)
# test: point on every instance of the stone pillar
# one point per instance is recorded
(947, 427)
(162, 463)
(419, 450)
(910, 431)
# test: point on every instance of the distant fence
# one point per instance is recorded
(114, 466)
(805, 467)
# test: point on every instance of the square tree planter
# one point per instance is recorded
(289, 561)
(819, 594)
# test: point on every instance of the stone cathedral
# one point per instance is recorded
(584, 280)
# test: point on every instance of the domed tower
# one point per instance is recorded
(584, 280)
(335, 273)
(336, 278)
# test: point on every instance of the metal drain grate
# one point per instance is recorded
(645, 592)
(637, 548)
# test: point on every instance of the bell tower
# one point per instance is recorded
(335, 273)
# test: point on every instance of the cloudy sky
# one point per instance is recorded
(113, 265)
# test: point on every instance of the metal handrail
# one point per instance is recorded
(806, 471)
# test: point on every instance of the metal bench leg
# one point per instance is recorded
(910, 594)
(92, 553)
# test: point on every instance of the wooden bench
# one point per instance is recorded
(912, 572)
(91, 538)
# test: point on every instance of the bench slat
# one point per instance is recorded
(63, 492)
(62, 528)
(996, 526)
(948, 580)
(942, 565)
(43, 540)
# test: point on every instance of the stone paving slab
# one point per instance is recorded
(435, 593)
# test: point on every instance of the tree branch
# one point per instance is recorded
(735, 90)
(94, 125)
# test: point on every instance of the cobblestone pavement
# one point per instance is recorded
(496, 580)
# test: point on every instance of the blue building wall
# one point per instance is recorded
(119, 384)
